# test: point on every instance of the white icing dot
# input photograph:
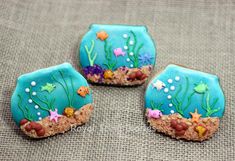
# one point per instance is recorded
(177, 78)
(34, 93)
(38, 113)
(128, 59)
(169, 80)
(30, 101)
(172, 88)
(33, 83)
(125, 47)
(169, 96)
(39, 118)
(172, 111)
(131, 42)
(166, 90)
(131, 65)
(131, 53)
(36, 106)
(27, 90)
(125, 36)
(170, 105)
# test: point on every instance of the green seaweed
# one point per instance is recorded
(208, 107)
(108, 56)
(179, 103)
(91, 56)
(24, 110)
(134, 49)
(156, 107)
(65, 86)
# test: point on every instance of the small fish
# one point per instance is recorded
(118, 52)
(102, 35)
(154, 113)
(83, 91)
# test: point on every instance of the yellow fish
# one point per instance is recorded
(83, 91)
(102, 35)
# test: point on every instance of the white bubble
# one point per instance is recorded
(131, 53)
(169, 80)
(34, 93)
(36, 106)
(128, 59)
(172, 111)
(166, 90)
(33, 83)
(177, 78)
(27, 90)
(169, 97)
(39, 118)
(131, 65)
(131, 42)
(30, 101)
(38, 113)
(170, 105)
(125, 47)
(172, 88)
(125, 36)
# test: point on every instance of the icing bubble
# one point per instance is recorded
(36, 106)
(33, 83)
(131, 65)
(169, 96)
(177, 78)
(125, 47)
(128, 59)
(125, 36)
(170, 105)
(131, 42)
(38, 113)
(172, 111)
(34, 93)
(39, 118)
(169, 80)
(30, 101)
(172, 88)
(131, 53)
(166, 90)
(27, 90)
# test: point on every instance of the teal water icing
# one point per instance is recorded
(46, 90)
(122, 45)
(181, 90)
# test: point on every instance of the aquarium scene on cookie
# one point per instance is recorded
(50, 100)
(184, 103)
(117, 54)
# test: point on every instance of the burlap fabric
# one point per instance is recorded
(38, 34)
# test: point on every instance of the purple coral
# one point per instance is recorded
(145, 59)
(95, 69)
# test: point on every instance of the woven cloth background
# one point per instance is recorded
(38, 34)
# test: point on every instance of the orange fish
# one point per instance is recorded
(83, 91)
(102, 35)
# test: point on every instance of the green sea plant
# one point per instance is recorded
(133, 50)
(24, 110)
(179, 104)
(64, 85)
(90, 54)
(110, 64)
(156, 107)
(209, 107)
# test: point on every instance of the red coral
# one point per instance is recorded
(179, 127)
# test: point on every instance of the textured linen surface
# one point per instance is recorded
(36, 34)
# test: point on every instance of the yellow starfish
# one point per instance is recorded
(102, 35)
(195, 116)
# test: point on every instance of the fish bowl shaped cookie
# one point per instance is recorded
(117, 54)
(51, 101)
(184, 103)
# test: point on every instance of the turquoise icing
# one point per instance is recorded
(116, 38)
(41, 78)
(204, 93)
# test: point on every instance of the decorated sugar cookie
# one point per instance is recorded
(51, 101)
(184, 103)
(117, 54)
